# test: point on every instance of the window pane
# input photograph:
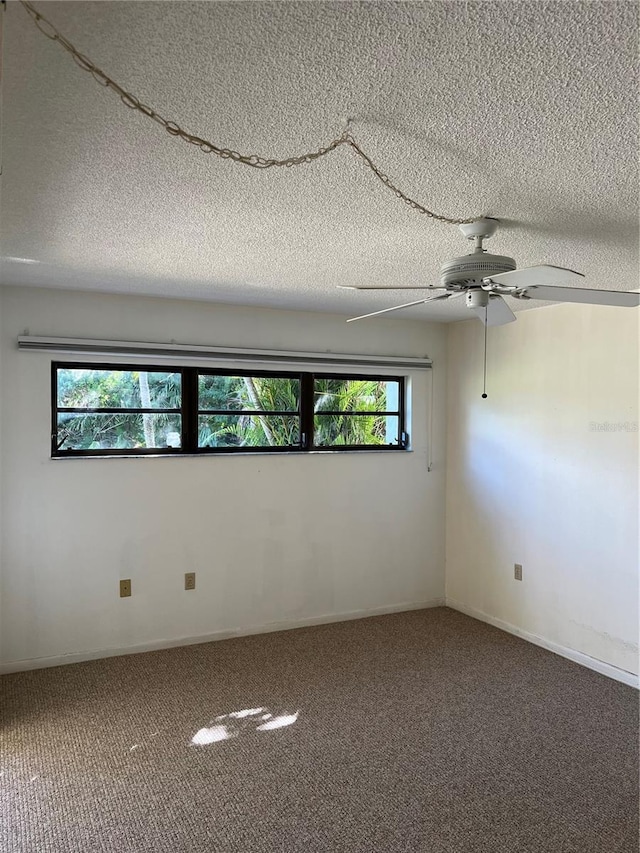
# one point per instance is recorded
(248, 431)
(117, 389)
(335, 430)
(248, 393)
(119, 431)
(355, 395)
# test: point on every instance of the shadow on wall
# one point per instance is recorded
(541, 488)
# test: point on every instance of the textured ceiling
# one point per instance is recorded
(525, 111)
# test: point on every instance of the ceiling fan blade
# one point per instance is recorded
(398, 307)
(376, 287)
(587, 295)
(528, 276)
(495, 313)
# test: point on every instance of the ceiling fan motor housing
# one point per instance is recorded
(469, 270)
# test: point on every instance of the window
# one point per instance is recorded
(355, 412)
(248, 411)
(116, 410)
(122, 409)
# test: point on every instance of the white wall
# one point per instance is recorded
(530, 480)
(273, 539)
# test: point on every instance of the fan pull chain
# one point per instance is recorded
(484, 374)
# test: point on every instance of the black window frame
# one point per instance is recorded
(267, 374)
(340, 448)
(57, 448)
(189, 411)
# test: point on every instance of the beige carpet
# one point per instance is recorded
(424, 731)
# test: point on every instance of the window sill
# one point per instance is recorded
(235, 454)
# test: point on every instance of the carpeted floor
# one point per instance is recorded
(424, 731)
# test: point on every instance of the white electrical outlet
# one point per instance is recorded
(517, 571)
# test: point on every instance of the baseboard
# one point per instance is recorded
(268, 628)
(600, 666)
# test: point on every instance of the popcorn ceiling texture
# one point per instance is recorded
(525, 111)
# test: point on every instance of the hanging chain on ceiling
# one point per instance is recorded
(49, 30)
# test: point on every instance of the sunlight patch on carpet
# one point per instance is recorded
(231, 725)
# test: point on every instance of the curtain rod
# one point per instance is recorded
(140, 349)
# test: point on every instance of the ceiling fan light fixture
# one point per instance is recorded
(477, 299)
(485, 277)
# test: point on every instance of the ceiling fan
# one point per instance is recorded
(483, 279)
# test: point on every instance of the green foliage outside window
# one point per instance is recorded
(81, 388)
(335, 403)
(233, 411)
(237, 394)
(337, 400)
